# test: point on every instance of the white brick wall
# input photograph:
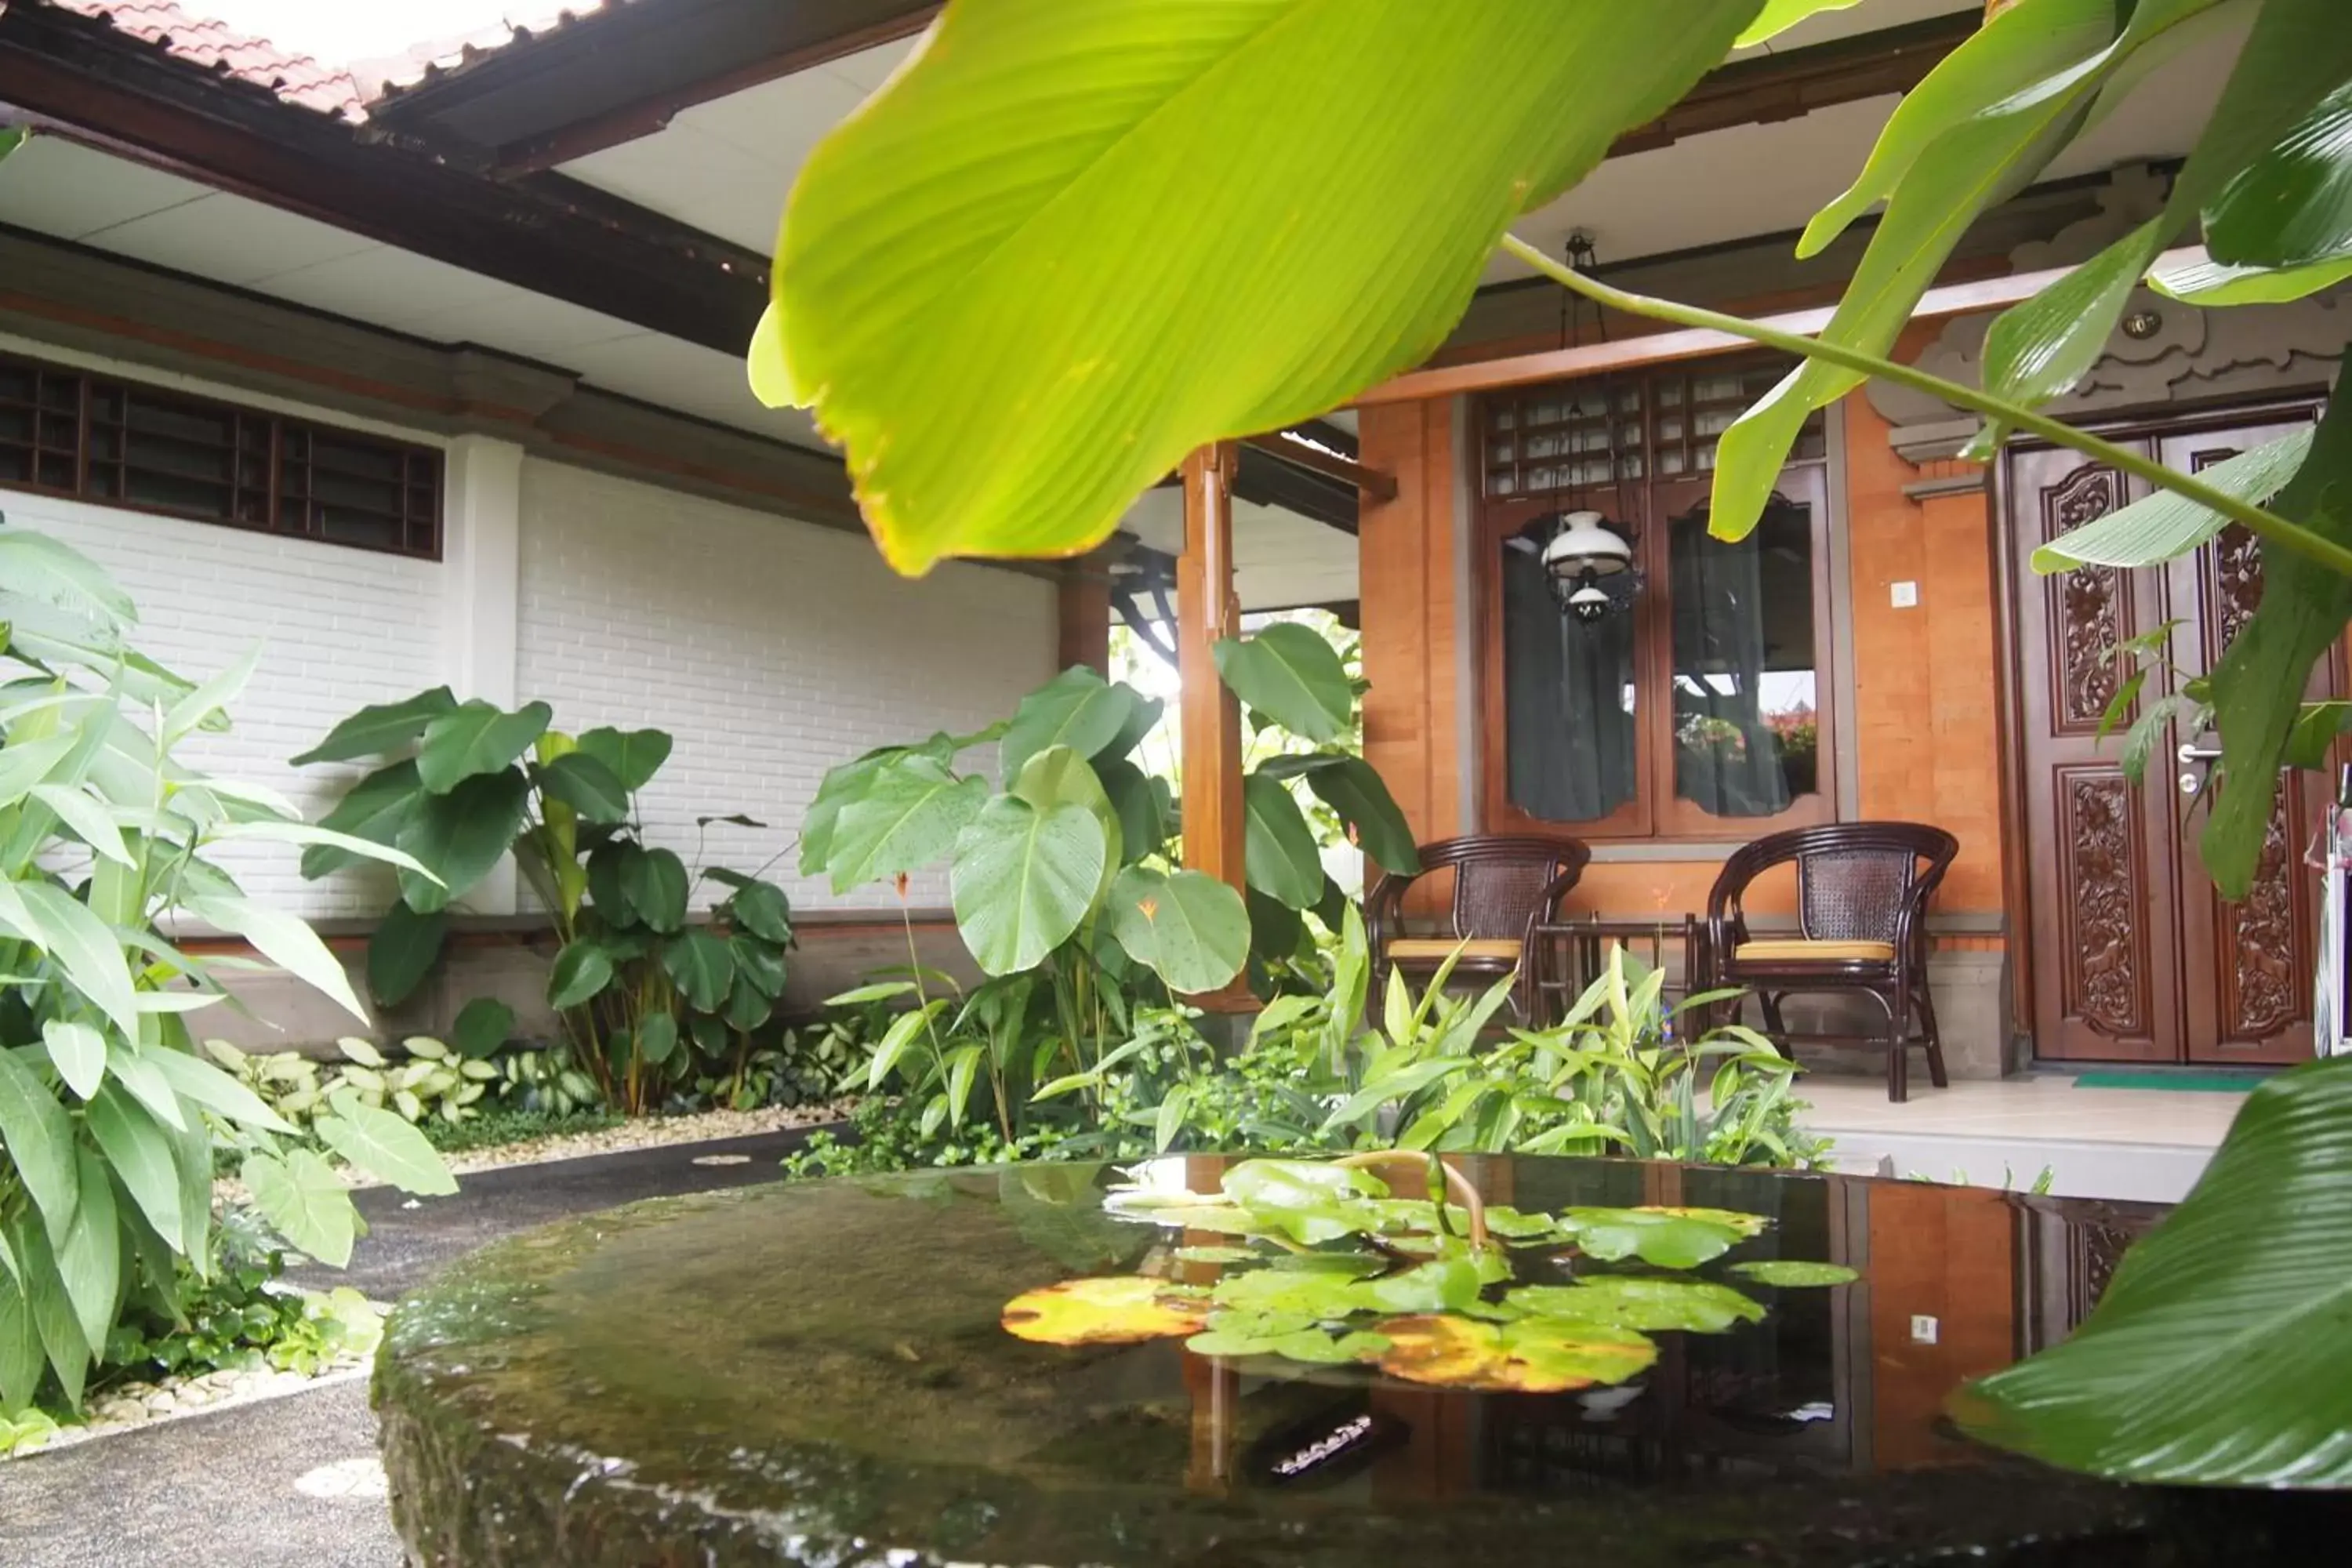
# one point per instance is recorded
(770, 648)
(339, 628)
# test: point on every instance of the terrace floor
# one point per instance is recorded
(2137, 1144)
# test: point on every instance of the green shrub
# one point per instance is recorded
(433, 1084)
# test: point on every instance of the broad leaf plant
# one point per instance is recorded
(1072, 240)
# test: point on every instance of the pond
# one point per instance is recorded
(822, 1373)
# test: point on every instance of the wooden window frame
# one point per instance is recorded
(258, 450)
(1655, 811)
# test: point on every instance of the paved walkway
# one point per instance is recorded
(291, 1483)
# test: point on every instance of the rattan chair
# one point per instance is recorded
(1505, 885)
(1861, 903)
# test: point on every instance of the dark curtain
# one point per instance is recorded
(1567, 692)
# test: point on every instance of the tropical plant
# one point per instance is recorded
(1322, 1264)
(433, 1081)
(108, 1119)
(648, 995)
(1490, 108)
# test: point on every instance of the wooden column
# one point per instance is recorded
(1084, 596)
(1209, 718)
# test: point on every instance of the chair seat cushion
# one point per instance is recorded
(1802, 950)
(1430, 949)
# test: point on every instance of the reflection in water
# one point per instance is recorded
(819, 1368)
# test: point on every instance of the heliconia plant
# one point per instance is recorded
(109, 1119)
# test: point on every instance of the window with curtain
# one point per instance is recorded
(1696, 707)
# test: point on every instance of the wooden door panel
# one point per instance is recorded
(2246, 966)
(2101, 874)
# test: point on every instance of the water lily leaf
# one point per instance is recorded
(1793, 1274)
(1019, 250)
(1217, 1255)
(1532, 1356)
(1735, 1219)
(1312, 1346)
(1308, 1201)
(2208, 1361)
(1664, 1240)
(1640, 1301)
(1122, 1310)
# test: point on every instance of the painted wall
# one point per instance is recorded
(770, 650)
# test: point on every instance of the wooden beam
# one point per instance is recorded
(1209, 720)
(1664, 348)
(1083, 612)
(1330, 465)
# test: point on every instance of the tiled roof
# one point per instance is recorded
(292, 77)
(440, 59)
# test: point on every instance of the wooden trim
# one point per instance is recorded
(1298, 454)
(77, 78)
(1664, 348)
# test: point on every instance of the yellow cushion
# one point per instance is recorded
(1799, 950)
(1429, 949)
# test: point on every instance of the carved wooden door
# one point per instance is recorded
(2135, 957)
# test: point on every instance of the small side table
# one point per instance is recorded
(1569, 955)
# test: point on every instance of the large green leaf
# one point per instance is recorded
(633, 756)
(2163, 524)
(840, 786)
(387, 726)
(462, 836)
(586, 785)
(39, 1140)
(90, 1254)
(654, 883)
(582, 971)
(482, 1028)
(2258, 682)
(1190, 929)
(1143, 830)
(1779, 16)
(403, 951)
(1354, 789)
(957, 281)
(216, 1091)
(1077, 708)
(384, 1145)
(1060, 776)
(141, 1154)
(761, 908)
(54, 1319)
(54, 573)
(2296, 52)
(376, 808)
(286, 942)
(702, 965)
(2210, 283)
(1023, 879)
(905, 817)
(1278, 847)
(22, 1360)
(2210, 1361)
(304, 1201)
(1980, 161)
(78, 1052)
(477, 738)
(2293, 205)
(80, 943)
(1290, 674)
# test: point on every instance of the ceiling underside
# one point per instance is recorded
(724, 166)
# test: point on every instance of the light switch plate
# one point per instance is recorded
(1922, 1329)
(1906, 595)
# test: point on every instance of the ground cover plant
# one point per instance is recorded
(1061, 256)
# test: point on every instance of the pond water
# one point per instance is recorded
(817, 1373)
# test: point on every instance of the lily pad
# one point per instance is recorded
(1535, 1355)
(1308, 1201)
(1736, 1219)
(1312, 1344)
(1215, 1255)
(1122, 1310)
(1640, 1301)
(1790, 1273)
(1663, 1238)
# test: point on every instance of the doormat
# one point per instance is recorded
(2208, 1082)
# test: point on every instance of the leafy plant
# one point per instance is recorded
(498, 1127)
(545, 1082)
(1328, 1267)
(649, 996)
(1486, 111)
(108, 1119)
(431, 1084)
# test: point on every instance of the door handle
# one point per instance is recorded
(2200, 754)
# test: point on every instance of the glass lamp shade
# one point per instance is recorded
(1586, 544)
